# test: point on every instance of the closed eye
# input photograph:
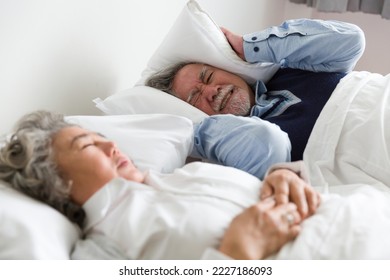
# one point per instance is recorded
(209, 78)
(87, 145)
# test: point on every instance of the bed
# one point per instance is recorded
(342, 161)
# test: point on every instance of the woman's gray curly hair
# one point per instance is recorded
(27, 163)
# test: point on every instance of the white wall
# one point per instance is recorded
(61, 54)
(244, 16)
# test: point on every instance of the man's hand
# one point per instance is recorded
(261, 230)
(286, 186)
(235, 41)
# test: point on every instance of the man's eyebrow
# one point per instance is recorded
(83, 135)
(202, 73)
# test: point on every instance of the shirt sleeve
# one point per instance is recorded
(297, 167)
(307, 44)
(247, 143)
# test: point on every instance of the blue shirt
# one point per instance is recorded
(292, 99)
(247, 143)
(307, 44)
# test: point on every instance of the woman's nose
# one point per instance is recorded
(109, 147)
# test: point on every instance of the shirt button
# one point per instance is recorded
(254, 38)
(256, 49)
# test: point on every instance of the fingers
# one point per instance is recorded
(282, 192)
(313, 200)
(266, 191)
(235, 41)
(277, 187)
(267, 204)
(289, 219)
(298, 196)
(293, 232)
(224, 30)
(285, 186)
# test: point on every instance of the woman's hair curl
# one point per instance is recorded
(27, 163)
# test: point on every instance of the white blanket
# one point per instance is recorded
(183, 216)
(350, 143)
(350, 226)
(348, 154)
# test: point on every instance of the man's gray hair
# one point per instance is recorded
(163, 79)
(27, 163)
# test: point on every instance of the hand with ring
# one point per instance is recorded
(261, 230)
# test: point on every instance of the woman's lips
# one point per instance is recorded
(122, 162)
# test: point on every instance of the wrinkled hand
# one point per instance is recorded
(235, 41)
(286, 186)
(261, 230)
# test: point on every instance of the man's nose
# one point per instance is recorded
(210, 92)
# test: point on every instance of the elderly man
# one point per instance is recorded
(313, 56)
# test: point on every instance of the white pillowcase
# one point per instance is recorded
(193, 37)
(30, 229)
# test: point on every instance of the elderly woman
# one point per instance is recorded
(149, 215)
(195, 212)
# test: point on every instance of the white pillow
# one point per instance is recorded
(154, 141)
(193, 37)
(30, 229)
(196, 37)
(147, 100)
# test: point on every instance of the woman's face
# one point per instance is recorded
(89, 161)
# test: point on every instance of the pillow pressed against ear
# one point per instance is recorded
(152, 141)
(196, 37)
(193, 37)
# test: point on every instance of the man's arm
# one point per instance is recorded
(314, 45)
(247, 143)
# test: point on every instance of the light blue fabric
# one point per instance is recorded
(247, 143)
(274, 103)
(313, 45)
